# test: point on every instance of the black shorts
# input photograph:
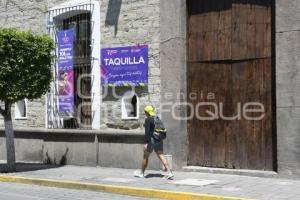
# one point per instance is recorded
(155, 145)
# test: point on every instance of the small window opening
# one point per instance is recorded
(21, 109)
(130, 105)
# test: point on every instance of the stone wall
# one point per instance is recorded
(123, 23)
(173, 64)
(118, 149)
(161, 25)
(288, 87)
(27, 15)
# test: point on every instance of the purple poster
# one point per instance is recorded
(124, 65)
(65, 71)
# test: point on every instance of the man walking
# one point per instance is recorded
(151, 144)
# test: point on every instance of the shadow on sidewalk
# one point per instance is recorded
(25, 167)
(154, 175)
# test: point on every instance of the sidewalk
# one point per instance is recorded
(219, 185)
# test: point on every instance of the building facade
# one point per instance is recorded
(222, 75)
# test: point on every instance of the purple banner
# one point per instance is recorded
(124, 65)
(65, 71)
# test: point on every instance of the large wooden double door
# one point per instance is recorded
(230, 73)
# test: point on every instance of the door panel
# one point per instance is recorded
(229, 58)
(238, 143)
(210, 31)
(251, 29)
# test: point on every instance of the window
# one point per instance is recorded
(21, 109)
(130, 106)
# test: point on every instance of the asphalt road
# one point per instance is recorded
(13, 191)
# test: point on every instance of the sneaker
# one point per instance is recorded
(169, 176)
(138, 174)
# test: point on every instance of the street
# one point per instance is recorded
(13, 191)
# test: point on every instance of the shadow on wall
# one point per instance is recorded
(49, 161)
(196, 7)
(113, 13)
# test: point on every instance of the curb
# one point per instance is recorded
(123, 190)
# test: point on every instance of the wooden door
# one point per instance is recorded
(229, 72)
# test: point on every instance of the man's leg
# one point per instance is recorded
(145, 161)
(140, 174)
(163, 159)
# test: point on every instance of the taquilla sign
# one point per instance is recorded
(124, 61)
(124, 65)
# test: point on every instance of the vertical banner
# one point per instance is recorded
(66, 71)
(123, 66)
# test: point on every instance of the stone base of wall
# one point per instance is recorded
(111, 148)
(119, 149)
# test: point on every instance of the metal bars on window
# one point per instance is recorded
(79, 18)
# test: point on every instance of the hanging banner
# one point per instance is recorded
(123, 66)
(66, 71)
